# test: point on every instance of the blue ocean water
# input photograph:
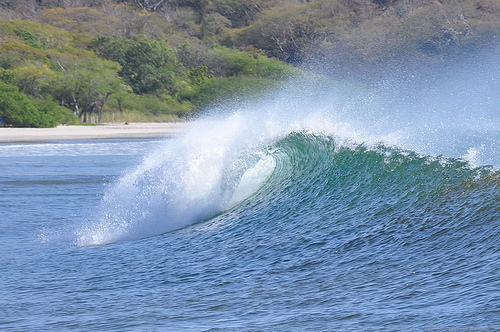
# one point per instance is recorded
(276, 216)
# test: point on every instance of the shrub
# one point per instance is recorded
(222, 89)
(239, 63)
(17, 110)
(148, 104)
(56, 113)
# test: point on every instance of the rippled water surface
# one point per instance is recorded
(296, 233)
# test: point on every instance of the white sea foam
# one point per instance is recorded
(220, 160)
(72, 149)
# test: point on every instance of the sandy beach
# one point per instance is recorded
(108, 130)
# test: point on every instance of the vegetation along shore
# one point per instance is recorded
(93, 61)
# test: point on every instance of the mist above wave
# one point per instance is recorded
(202, 172)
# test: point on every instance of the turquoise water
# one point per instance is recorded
(279, 216)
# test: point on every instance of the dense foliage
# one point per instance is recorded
(63, 61)
(17, 109)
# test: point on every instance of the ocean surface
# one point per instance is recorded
(265, 218)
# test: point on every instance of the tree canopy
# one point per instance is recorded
(63, 61)
(148, 66)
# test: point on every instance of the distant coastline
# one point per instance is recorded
(108, 130)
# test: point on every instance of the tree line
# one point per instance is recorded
(65, 61)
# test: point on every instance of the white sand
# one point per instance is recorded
(109, 130)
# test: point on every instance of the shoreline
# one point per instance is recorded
(103, 131)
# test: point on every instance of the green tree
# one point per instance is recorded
(221, 89)
(237, 63)
(148, 66)
(32, 79)
(17, 110)
(199, 75)
(57, 113)
(85, 85)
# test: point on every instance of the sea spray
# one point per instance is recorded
(182, 181)
(221, 159)
(216, 163)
